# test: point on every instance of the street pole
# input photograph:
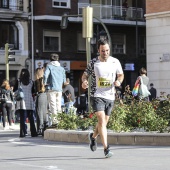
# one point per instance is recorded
(88, 33)
(32, 39)
(136, 31)
(6, 61)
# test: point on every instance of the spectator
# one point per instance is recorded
(26, 105)
(13, 108)
(41, 101)
(6, 103)
(153, 92)
(54, 77)
(142, 78)
(69, 95)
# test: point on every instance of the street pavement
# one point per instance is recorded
(35, 153)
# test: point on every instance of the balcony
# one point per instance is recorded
(16, 5)
(114, 12)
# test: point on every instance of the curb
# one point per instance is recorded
(134, 138)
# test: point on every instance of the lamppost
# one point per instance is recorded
(136, 30)
(93, 44)
(103, 34)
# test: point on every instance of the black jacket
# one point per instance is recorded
(153, 93)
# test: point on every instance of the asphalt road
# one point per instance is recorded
(39, 154)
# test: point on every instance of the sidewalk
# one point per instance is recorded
(131, 138)
(13, 127)
(127, 138)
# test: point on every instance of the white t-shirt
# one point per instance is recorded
(105, 77)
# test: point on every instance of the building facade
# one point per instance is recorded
(32, 28)
(126, 26)
(14, 21)
(158, 43)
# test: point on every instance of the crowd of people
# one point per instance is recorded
(43, 96)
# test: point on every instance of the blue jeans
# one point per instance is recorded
(68, 105)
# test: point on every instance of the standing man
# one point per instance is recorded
(54, 77)
(153, 92)
(107, 73)
(69, 96)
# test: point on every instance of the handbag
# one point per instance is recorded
(135, 90)
(143, 90)
(19, 94)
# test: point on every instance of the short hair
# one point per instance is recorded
(102, 41)
(54, 57)
(142, 71)
(151, 84)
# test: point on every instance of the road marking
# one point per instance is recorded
(160, 148)
(44, 167)
(17, 141)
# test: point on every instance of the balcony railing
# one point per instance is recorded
(16, 5)
(114, 12)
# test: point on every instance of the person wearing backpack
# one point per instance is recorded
(69, 95)
(7, 101)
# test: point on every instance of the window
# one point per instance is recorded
(52, 41)
(61, 3)
(81, 43)
(142, 45)
(118, 43)
(4, 3)
(9, 34)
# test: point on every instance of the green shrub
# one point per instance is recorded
(127, 115)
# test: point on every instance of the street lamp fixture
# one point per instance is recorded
(64, 24)
(93, 39)
(103, 34)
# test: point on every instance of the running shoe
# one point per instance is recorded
(107, 152)
(93, 143)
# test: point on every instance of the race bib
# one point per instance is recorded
(103, 83)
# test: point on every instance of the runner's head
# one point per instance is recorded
(103, 49)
